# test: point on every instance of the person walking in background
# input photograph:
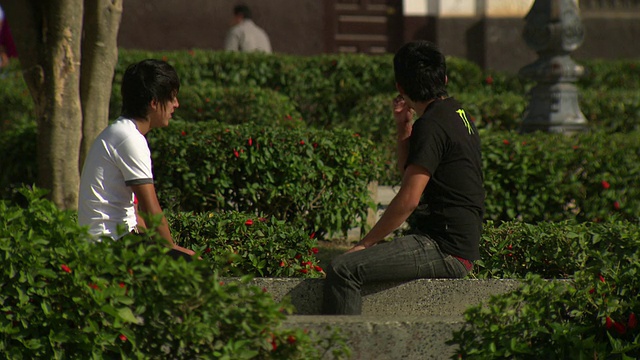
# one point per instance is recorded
(244, 34)
(7, 46)
(116, 176)
(439, 156)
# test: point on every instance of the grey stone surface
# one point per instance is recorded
(386, 337)
(402, 320)
(425, 297)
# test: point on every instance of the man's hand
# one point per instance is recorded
(403, 114)
(357, 247)
(183, 250)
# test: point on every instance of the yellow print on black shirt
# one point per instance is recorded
(466, 122)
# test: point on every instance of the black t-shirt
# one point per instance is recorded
(446, 143)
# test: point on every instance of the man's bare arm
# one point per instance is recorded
(406, 200)
(148, 204)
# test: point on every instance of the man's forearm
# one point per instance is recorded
(394, 216)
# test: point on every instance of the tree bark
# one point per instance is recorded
(69, 78)
(48, 35)
(99, 58)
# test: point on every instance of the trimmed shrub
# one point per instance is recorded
(239, 244)
(18, 161)
(594, 315)
(65, 297)
(235, 105)
(17, 105)
(551, 177)
(552, 250)
(311, 178)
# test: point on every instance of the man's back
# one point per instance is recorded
(119, 156)
(247, 37)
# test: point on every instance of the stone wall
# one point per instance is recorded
(488, 32)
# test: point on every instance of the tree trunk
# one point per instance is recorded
(99, 58)
(49, 36)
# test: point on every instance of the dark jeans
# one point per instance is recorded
(405, 258)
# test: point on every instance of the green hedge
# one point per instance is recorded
(237, 105)
(238, 244)
(65, 297)
(318, 179)
(313, 178)
(325, 89)
(593, 315)
(544, 177)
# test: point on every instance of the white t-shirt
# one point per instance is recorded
(247, 37)
(118, 158)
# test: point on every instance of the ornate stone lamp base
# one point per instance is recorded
(553, 29)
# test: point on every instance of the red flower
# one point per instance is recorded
(274, 345)
(304, 271)
(282, 263)
(65, 268)
(122, 337)
(94, 286)
(318, 268)
(236, 153)
(207, 250)
(605, 185)
(314, 250)
(122, 285)
(291, 339)
(301, 142)
(183, 133)
(315, 145)
(592, 291)
(620, 328)
(608, 323)
(262, 219)
(488, 80)
(264, 289)
(250, 141)
(505, 141)
(298, 256)
(601, 278)
(633, 322)
(509, 247)
(248, 222)
(616, 205)
(313, 234)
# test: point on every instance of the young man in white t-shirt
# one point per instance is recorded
(117, 169)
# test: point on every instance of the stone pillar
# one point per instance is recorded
(553, 29)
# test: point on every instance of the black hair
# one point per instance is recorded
(421, 70)
(146, 81)
(243, 10)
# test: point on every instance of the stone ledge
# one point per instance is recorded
(424, 297)
(386, 337)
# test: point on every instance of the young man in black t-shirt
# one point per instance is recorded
(439, 157)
